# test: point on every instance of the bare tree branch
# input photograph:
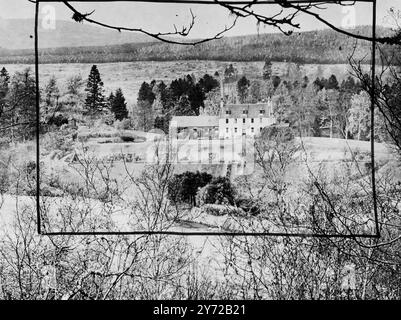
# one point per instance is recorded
(284, 18)
(162, 36)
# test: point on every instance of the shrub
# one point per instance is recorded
(184, 187)
(57, 121)
(218, 191)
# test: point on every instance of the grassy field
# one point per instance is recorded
(193, 156)
(319, 150)
(129, 75)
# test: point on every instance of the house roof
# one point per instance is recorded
(253, 110)
(195, 121)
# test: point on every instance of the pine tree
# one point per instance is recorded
(242, 89)
(276, 80)
(21, 99)
(51, 92)
(4, 86)
(95, 100)
(183, 107)
(4, 77)
(146, 93)
(332, 83)
(118, 106)
(230, 73)
(110, 99)
(208, 83)
(267, 70)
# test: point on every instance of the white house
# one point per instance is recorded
(245, 119)
(234, 120)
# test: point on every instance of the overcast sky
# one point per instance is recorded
(209, 18)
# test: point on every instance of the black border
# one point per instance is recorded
(274, 234)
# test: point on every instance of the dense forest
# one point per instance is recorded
(322, 46)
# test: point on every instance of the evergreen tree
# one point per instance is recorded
(118, 106)
(183, 107)
(110, 99)
(21, 101)
(196, 97)
(4, 82)
(230, 73)
(162, 123)
(4, 86)
(146, 93)
(350, 86)
(194, 93)
(242, 89)
(276, 80)
(51, 92)
(95, 100)
(332, 83)
(208, 83)
(318, 84)
(267, 70)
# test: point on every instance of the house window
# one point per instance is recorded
(226, 120)
(228, 111)
(244, 111)
(235, 130)
(252, 120)
(252, 130)
(260, 129)
(243, 120)
(262, 111)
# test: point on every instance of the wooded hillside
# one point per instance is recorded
(322, 46)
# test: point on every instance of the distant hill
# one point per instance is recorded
(320, 46)
(16, 34)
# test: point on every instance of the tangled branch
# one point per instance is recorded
(162, 36)
(283, 20)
